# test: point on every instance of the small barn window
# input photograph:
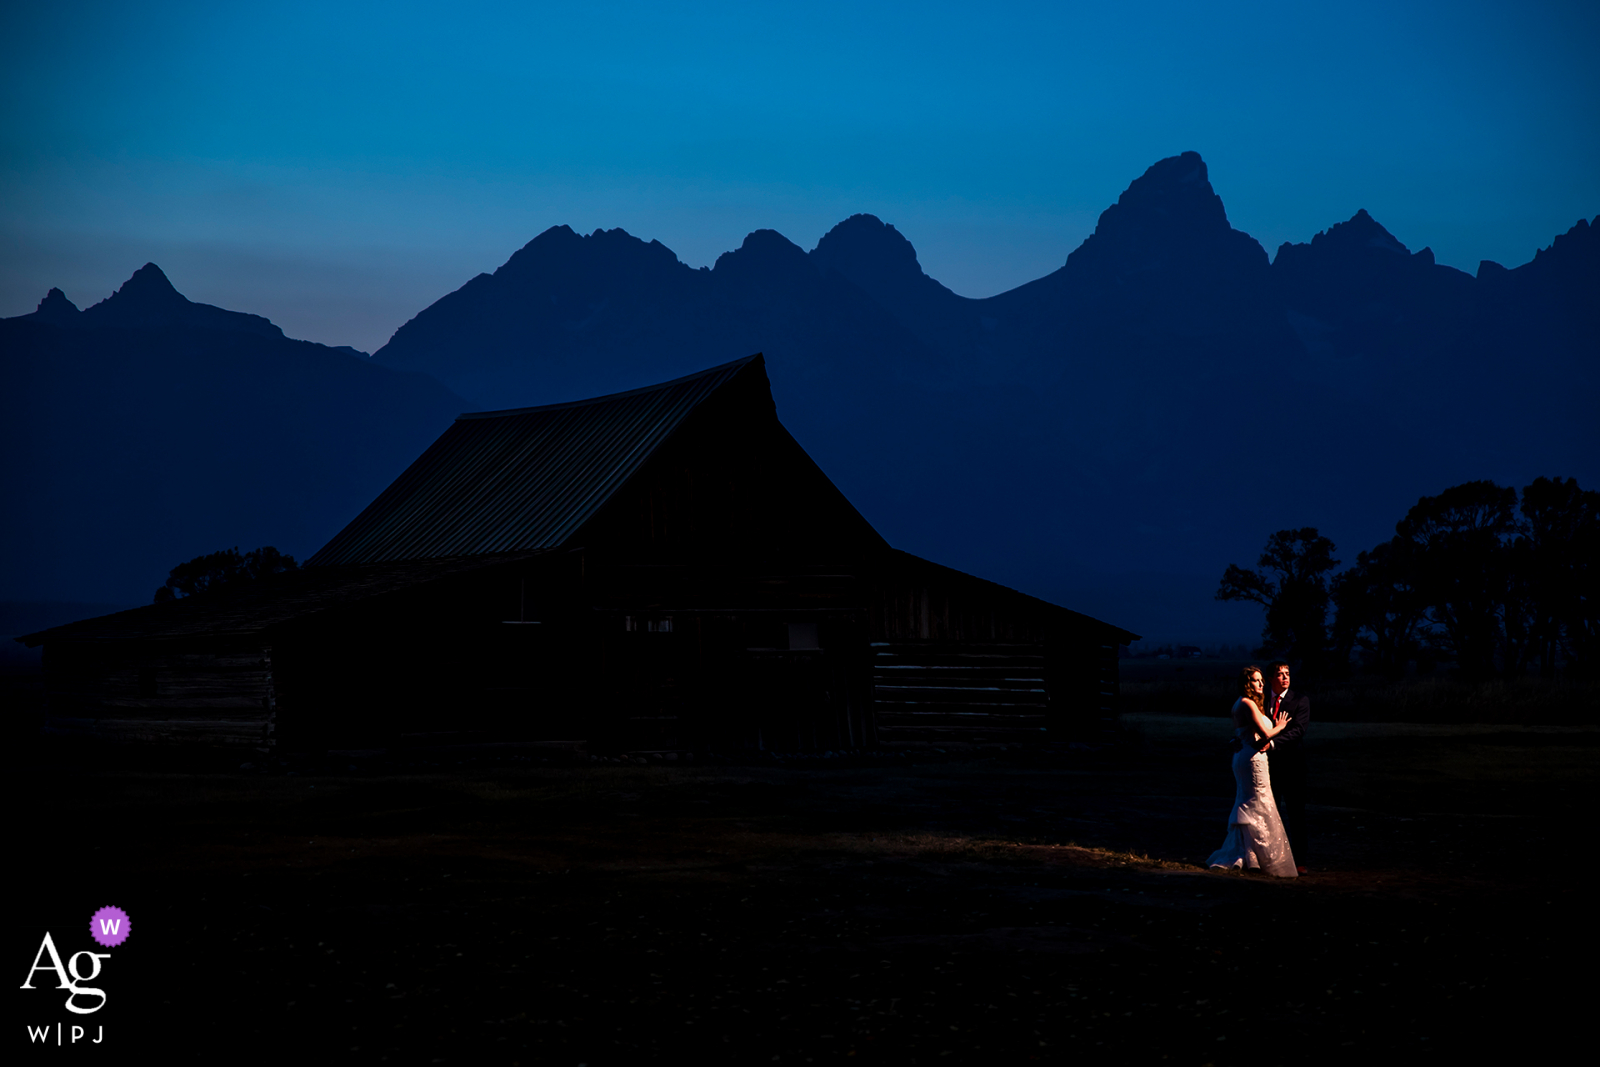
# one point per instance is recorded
(522, 607)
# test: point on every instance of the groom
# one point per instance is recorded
(1287, 753)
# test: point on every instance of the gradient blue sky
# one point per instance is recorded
(337, 167)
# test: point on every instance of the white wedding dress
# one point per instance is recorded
(1255, 832)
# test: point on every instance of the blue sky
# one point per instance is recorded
(337, 167)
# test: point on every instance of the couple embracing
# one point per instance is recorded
(1271, 733)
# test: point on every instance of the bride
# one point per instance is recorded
(1255, 832)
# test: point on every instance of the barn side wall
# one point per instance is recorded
(190, 692)
(960, 660)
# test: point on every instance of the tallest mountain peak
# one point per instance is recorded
(1173, 193)
(1169, 219)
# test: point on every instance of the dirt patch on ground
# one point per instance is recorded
(1007, 908)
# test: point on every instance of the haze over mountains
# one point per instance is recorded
(1109, 436)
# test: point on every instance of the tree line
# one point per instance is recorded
(1499, 586)
(225, 571)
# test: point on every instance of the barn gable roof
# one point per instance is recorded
(524, 479)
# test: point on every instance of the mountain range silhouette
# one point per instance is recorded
(1109, 436)
(149, 429)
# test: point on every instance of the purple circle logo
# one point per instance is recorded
(109, 926)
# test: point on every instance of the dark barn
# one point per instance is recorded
(663, 569)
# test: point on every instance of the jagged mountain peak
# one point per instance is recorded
(766, 241)
(879, 260)
(562, 249)
(1360, 231)
(558, 236)
(1173, 193)
(148, 300)
(149, 285)
(762, 250)
(866, 244)
(1168, 221)
(56, 309)
(1581, 240)
(1566, 272)
(1358, 246)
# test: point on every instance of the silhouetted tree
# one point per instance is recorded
(1555, 566)
(1295, 594)
(224, 570)
(1467, 578)
(1459, 548)
(1378, 608)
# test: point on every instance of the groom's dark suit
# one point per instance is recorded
(1287, 760)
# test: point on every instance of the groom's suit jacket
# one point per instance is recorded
(1288, 751)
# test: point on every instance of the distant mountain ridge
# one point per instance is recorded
(147, 300)
(600, 311)
(149, 429)
(1109, 436)
(1092, 422)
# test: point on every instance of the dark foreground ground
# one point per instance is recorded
(1003, 909)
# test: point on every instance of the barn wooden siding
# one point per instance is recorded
(959, 691)
(960, 659)
(128, 691)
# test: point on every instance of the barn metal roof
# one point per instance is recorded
(524, 479)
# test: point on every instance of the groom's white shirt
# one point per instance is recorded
(1277, 699)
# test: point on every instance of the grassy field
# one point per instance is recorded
(1014, 908)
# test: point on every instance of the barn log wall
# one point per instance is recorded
(958, 659)
(972, 692)
(135, 691)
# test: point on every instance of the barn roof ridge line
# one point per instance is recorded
(585, 402)
(524, 478)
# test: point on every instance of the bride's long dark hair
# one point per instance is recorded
(1245, 680)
